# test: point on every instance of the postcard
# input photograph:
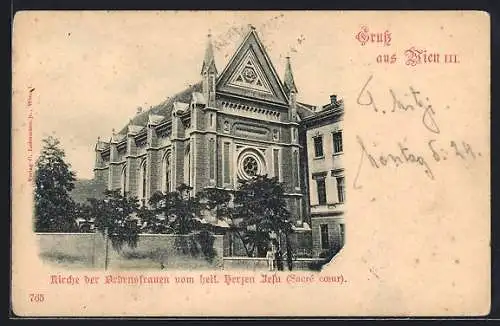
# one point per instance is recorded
(250, 163)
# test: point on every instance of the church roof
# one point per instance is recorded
(250, 53)
(85, 189)
(165, 108)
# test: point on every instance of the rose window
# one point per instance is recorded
(250, 166)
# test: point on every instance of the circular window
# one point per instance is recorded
(250, 164)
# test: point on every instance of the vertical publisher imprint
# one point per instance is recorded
(30, 133)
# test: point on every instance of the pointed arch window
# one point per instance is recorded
(276, 163)
(110, 179)
(296, 164)
(187, 165)
(123, 180)
(166, 184)
(142, 182)
(211, 160)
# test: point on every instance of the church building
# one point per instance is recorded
(233, 124)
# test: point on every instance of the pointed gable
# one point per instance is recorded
(251, 74)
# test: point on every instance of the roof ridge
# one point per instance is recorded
(141, 118)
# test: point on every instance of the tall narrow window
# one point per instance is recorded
(341, 189)
(276, 162)
(211, 160)
(166, 173)
(123, 180)
(110, 179)
(226, 163)
(143, 183)
(297, 169)
(318, 146)
(321, 190)
(325, 243)
(187, 166)
(342, 234)
(337, 142)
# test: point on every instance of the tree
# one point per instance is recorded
(261, 207)
(178, 209)
(53, 182)
(219, 200)
(152, 223)
(115, 217)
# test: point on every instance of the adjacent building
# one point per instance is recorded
(231, 125)
(321, 138)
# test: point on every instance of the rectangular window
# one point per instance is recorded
(211, 153)
(337, 142)
(341, 189)
(321, 188)
(276, 162)
(318, 146)
(325, 243)
(342, 234)
(226, 163)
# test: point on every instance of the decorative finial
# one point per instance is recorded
(289, 81)
(98, 138)
(208, 61)
(113, 131)
(251, 27)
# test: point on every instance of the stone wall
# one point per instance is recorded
(155, 251)
(81, 249)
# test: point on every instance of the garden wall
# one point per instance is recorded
(72, 249)
(153, 251)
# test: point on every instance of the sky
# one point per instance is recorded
(92, 70)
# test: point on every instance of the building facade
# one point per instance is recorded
(321, 137)
(231, 125)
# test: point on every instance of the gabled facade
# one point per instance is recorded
(229, 126)
(232, 125)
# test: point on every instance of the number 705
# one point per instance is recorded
(37, 297)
